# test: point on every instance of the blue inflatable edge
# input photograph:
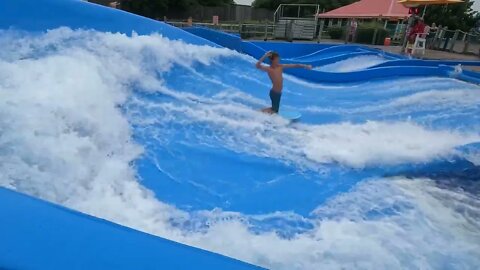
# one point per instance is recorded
(39, 235)
(310, 53)
(419, 62)
(36, 234)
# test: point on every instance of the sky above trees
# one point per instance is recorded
(244, 2)
(476, 5)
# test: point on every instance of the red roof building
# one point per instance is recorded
(368, 9)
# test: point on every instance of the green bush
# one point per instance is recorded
(335, 32)
(365, 33)
(246, 35)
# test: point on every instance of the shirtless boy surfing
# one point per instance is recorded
(275, 72)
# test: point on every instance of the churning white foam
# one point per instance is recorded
(381, 224)
(448, 99)
(63, 138)
(353, 64)
(354, 145)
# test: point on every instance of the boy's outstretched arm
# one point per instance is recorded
(297, 66)
(259, 64)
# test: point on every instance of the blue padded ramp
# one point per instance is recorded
(39, 235)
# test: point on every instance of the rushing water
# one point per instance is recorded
(353, 64)
(165, 137)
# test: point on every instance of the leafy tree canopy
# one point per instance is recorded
(158, 8)
(455, 16)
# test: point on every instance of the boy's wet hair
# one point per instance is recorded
(274, 55)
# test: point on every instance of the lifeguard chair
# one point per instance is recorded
(418, 46)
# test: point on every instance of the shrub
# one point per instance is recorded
(366, 32)
(335, 32)
(246, 35)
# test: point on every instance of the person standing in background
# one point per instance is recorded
(426, 31)
(353, 30)
(431, 35)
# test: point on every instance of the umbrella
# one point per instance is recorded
(428, 2)
(414, 3)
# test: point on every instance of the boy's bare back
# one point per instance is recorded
(276, 76)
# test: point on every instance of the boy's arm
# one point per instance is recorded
(259, 64)
(297, 66)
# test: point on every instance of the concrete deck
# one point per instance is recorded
(435, 54)
(431, 54)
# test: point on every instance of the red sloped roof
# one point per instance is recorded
(369, 9)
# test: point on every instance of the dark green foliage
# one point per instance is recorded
(455, 16)
(158, 8)
(366, 31)
(246, 35)
(336, 32)
(324, 4)
(214, 2)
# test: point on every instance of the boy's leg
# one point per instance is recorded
(275, 98)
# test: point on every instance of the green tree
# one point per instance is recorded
(215, 2)
(158, 8)
(455, 16)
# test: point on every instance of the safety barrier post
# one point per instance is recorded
(240, 29)
(441, 33)
(435, 39)
(454, 40)
(266, 31)
(442, 36)
(347, 31)
(395, 34)
(445, 44)
(466, 44)
(293, 24)
(320, 31)
(374, 39)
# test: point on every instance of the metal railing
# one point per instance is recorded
(245, 30)
(265, 31)
(280, 11)
(441, 39)
(454, 41)
(225, 27)
(296, 21)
